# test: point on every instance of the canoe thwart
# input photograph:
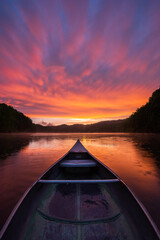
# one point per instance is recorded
(81, 181)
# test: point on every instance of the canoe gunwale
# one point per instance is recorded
(157, 231)
(144, 210)
(4, 228)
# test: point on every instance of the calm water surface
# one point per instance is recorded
(134, 157)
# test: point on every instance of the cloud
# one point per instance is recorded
(79, 59)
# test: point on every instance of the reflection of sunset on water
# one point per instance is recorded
(121, 155)
(125, 154)
(134, 165)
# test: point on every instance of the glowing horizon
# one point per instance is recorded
(69, 121)
(78, 61)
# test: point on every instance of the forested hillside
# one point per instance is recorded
(105, 126)
(13, 121)
(146, 118)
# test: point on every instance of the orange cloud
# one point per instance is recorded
(78, 60)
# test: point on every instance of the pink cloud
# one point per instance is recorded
(79, 59)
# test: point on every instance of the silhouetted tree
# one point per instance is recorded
(13, 121)
(146, 118)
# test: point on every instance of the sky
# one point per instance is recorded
(78, 61)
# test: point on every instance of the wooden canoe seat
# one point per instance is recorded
(78, 163)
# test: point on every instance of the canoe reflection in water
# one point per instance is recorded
(79, 198)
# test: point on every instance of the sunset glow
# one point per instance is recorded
(78, 61)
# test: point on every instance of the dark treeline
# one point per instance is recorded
(145, 119)
(13, 121)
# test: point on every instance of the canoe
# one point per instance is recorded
(79, 197)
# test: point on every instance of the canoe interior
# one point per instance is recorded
(98, 172)
(86, 211)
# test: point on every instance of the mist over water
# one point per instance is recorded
(134, 157)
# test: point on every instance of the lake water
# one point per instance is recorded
(134, 157)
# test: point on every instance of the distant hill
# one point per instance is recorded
(105, 126)
(146, 118)
(13, 121)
